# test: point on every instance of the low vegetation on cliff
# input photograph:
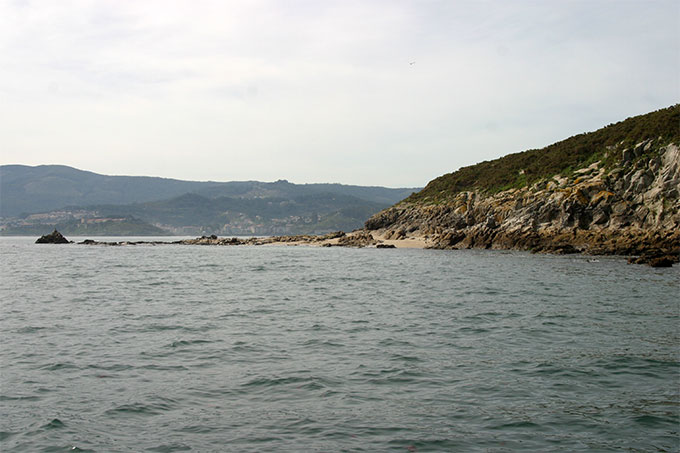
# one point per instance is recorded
(612, 191)
(517, 170)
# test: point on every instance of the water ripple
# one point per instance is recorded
(304, 349)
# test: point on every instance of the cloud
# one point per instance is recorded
(321, 91)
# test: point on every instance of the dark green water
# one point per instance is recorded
(189, 348)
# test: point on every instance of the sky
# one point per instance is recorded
(370, 92)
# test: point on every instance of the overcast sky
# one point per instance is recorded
(366, 92)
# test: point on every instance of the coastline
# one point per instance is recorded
(658, 249)
(357, 239)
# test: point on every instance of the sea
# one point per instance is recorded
(172, 348)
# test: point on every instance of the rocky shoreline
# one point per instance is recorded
(357, 238)
(634, 248)
(615, 191)
(630, 210)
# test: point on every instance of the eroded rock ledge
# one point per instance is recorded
(354, 239)
(632, 209)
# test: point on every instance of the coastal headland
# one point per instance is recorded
(614, 191)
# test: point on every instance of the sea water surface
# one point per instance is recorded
(206, 348)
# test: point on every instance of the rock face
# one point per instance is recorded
(625, 209)
(358, 239)
(54, 237)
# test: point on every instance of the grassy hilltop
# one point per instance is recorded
(525, 168)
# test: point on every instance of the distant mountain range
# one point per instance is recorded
(82, 202)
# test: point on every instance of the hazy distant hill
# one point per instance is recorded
(241, 207)
(127, 226)
(307, 213)
(25, 189)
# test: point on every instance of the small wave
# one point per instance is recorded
(19, 398)
(150, 409)
(4, 435)
(405, 358)
(299, 382)
(162, 327)
(59, 366)
(417, 445)
(315, 342)
(395, 342)
(656, 421)
(63, 448)
(170, 448)
(242, 346)
(198, 429)
(391, 376)
(305, 426)
(164, 367)
(273, 382)
(467, 329)
(55, 424)
(182, 343)
(521, 424)
(31, 329)
(114, 367)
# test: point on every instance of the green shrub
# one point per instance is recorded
(528, 167)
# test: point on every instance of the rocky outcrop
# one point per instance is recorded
(625, 208)
(330, 238)
(54, 237)
(295, 239)
(655, 258)
(356, 239)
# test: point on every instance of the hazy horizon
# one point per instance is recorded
(373, 93)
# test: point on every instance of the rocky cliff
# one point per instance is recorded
(627, 202)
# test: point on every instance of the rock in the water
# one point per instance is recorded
(662, 261)
(54, 237)
(656, 258)
(385, 246)
(357, 239)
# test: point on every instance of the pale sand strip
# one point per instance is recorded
(405, 243)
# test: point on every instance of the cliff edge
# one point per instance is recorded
(612, 191)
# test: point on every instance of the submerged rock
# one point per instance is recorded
(54, 237)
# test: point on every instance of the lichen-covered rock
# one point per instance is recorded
(621, 210)
(357, 239)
